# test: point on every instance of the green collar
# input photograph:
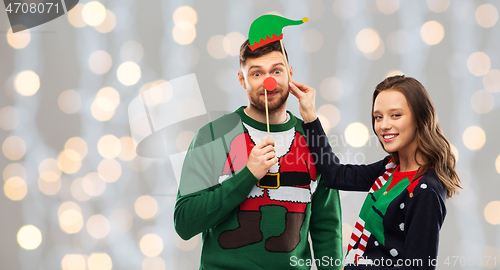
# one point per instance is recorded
(262, 126)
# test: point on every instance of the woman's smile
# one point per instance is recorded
(388, 137)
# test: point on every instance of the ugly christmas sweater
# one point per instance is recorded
(251, 224)
(399, 222)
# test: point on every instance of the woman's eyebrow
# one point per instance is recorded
(390, 110)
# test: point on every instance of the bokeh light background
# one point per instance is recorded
(75, 194)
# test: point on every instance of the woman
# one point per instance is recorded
(399, 223)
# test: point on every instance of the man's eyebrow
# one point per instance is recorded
(258, 66)
(254, 66)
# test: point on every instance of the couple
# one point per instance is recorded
(256, 200)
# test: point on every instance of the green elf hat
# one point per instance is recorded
(267, 28)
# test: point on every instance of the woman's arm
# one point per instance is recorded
(335, 175)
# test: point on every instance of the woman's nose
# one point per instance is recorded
(385, 125)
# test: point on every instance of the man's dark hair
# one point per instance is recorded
(247, 53)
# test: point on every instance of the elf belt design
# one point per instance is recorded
(275, 180)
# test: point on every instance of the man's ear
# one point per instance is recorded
(241, 79)
(291, 71)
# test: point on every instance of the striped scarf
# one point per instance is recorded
(359, 231)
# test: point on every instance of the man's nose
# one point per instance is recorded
(270, 83)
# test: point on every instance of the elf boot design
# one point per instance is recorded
(290, 238)
(246, 234)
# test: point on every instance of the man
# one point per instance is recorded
(256, 199)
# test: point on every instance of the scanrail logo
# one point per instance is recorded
(25, 14)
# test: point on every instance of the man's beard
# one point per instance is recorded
(273, 105)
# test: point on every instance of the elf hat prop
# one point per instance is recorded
(268, 28)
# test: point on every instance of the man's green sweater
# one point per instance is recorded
(252, 224)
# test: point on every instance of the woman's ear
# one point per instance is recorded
(241, 79)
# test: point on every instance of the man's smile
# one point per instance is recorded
(270, 93)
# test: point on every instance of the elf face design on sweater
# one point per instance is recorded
(289, 183)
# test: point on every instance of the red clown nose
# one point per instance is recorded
(270, 83)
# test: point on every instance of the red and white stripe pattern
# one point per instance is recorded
(359, 231)
(381, 180)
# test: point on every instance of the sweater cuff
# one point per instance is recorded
(314, 125)
(244, 181)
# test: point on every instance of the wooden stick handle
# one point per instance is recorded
(267, 115)
(286, 62)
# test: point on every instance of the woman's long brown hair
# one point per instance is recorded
(431, 143)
